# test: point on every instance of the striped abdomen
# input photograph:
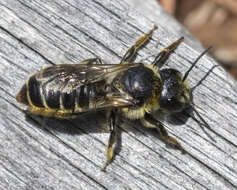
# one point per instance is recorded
(43, 97)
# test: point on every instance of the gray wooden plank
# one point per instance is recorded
(69, 154)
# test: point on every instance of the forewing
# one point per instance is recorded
(68, 77)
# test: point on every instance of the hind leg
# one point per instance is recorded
(141, 41)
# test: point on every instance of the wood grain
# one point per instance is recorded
(59, 154)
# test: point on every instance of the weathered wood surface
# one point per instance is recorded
(69, 154)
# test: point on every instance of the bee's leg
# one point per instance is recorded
(150, 122)
(112, 140)
(164, 54)
(142, 40)
(92, 61)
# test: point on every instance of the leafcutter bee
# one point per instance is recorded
(132, 90)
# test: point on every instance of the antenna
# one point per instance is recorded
(203, 120)
(194, 63)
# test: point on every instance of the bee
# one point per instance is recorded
(131, 90)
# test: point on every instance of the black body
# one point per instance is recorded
(139, 82)
(173, 90)
(39, 91)
(132, 90)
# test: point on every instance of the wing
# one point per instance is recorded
(73, 86)
(68, 77)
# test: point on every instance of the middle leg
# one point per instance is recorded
(112, 139)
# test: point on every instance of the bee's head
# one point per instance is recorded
(176, 94)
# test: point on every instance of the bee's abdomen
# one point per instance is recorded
(68, 100)
(39, 94)
(30, 93)
(21, 97)
(33, 87)
(78, 98)
(85, 95)
(51, 98)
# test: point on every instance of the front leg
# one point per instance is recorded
(142, 40)
(150, 122)
(112, 139)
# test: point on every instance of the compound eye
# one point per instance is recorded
(171, 104)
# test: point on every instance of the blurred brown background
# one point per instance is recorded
(213, 22)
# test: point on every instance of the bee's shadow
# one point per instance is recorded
(93, 122)
(85, 123)
(96, 123)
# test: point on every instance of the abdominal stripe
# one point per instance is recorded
(34, 91)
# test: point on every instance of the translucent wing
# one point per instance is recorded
(76, 82)
(68, 77)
